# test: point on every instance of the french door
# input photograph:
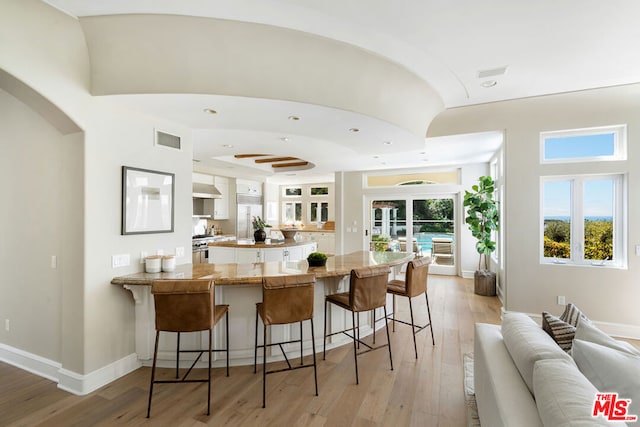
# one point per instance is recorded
(424, 225)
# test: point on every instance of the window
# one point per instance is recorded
(319, 211)
(292, 212)
(319, 191)
(583, 220)
(425, 178)
(594, 144)
(293, 191)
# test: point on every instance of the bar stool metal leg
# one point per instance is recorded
(313, 347)
(264, 367)
(324, 340)
(255, 347)
(429, 314)
(178, 356)
(153, 373)
(227, 329)
(355, 350)
(388, 338)
(413, 329)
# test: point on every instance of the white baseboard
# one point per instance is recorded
(29, 362)
(84, 384)
(69, 381)
(468, 274)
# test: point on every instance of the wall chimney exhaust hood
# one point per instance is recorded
(205, 191)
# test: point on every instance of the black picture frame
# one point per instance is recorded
(148, 199)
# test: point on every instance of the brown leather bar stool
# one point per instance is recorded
(367, 291)
(414, 284)
(187, 306)
(285, 299)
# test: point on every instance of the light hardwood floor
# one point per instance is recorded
(424, 392)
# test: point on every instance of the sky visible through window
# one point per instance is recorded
(577, 147)
(598, 193)
(598, 199)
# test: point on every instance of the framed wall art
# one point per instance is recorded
(147, 201)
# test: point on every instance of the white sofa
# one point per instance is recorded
(519, 360)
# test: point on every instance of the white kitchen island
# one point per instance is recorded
(239, 285)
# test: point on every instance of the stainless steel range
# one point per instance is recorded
(199, 248)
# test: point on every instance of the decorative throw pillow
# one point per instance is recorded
(561, 331)
(610, 371)
(572, 315)
(587, 331)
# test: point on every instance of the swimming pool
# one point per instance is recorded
(424, 240)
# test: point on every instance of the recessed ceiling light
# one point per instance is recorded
(294, 118)
(290, 174)
(423, 152)
(210, 111)
(354, 130)
(376, 157)
(285, 139)
(383, 163)
(228, 146)
(488, 83)
(387, 142)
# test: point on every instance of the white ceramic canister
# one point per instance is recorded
(168, 263)
(153, 264)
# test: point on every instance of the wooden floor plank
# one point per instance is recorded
(427, 391)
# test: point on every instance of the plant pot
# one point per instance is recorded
(260, 236)
(317, 262)
(484, 283)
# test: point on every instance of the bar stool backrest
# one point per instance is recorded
(287, 299)
(183, 305)
(368, 288)
(416, 276)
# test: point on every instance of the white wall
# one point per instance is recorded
(607, 295)
(85, 323)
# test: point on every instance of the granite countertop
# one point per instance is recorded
(251, 274)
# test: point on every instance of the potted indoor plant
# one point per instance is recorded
(317, 259)
(259, 235)
(482, 219)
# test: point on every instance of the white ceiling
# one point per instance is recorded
(547, 47)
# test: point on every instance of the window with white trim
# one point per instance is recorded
(583, 221)
(584, 145)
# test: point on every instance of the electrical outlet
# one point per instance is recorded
(561, 300)
(160, 252)
(54, 261)
(121, 260)
(7, 325)
(180, 252)
(637, 250)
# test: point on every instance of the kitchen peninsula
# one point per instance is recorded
(239, 286)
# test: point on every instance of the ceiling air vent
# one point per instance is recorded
(167, 140)
(483, 74)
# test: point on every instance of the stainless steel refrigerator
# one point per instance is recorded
(248, 207)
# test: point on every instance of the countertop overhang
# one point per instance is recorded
(252, 274)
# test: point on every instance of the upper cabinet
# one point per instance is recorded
(221, 205)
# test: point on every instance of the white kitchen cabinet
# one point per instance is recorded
(325, 240)
(221, 255)
(251, 254)
(221, 206)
